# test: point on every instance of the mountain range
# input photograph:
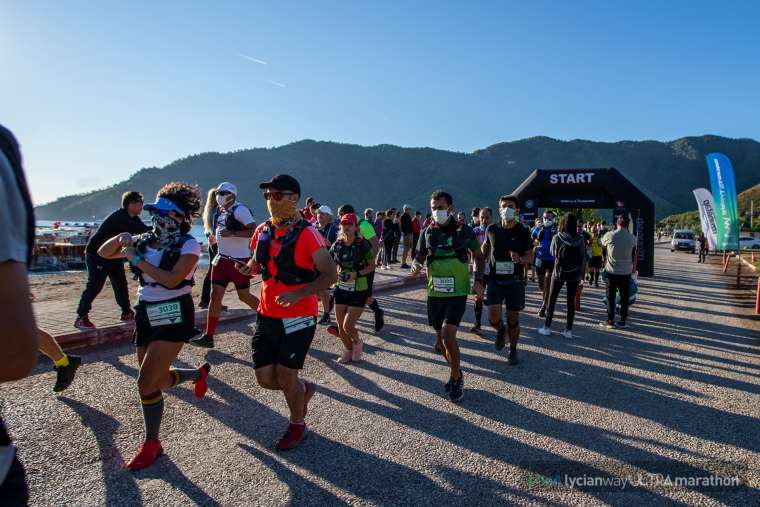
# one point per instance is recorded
(385, 176)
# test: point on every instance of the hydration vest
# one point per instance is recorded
(287, 270)
(230, 222)
(349, 257)
(441, 245)
(169, 258)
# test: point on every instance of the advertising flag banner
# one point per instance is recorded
(707, 216)
(724, 196)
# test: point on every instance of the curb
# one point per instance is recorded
(121, 332)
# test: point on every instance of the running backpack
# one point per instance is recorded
(569, 261)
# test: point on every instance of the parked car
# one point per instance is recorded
(748, 242)
(683, 239)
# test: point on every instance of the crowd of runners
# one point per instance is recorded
(302, 257)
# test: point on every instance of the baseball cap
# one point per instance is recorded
(407, 206)
(282, 182)
(348, 218)
(163, 204)
(346, 208)
(325, 209)
(226, 186)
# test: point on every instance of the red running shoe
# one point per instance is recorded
(292, 437)
(308, 391)
(333, 330)
(146, 454)
(201, 385)
(83, 323)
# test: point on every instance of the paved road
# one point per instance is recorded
(675, 393)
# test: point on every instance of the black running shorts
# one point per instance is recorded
(172, 320)
(445, 310)
(282, 341)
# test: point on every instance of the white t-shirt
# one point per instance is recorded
(236, 247)
(159, 293)
(13, 218)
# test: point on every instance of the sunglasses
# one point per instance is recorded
(277, 195)
(224, 192)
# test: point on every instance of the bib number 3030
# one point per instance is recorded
(444, 284)
(164, 314)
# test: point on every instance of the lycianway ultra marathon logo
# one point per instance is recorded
(616, 476)
(723, 195)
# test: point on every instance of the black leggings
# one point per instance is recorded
(556, 286)
(388, 244)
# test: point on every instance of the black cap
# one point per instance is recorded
(346, 208)
(282, 182)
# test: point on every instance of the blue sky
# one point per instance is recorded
(97, 90)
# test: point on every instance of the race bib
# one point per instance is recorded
(444, 284)
(164, 314)
(294, 324)
(349, 286)
(505, 268)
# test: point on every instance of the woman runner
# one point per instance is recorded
(354, 258)
(166, 259)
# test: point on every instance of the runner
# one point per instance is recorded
(294, 266)
(484, 220)
(166, 259)
(65, 366)
(444, 245)
(355, 261)
(595, 264)
(508, 248)
(329, 232)
(367, 231)
(234, 226)
(543, 258)
(569, 249)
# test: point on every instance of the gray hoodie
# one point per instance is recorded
(574, 242)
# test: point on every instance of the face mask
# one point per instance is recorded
(165, 229)
(282, 211)
(223, 200)
(440, 216)
(507, 213)
(548, 223)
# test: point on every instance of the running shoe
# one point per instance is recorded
(201, 385)
(345, 357)
(476, 330)
(128, 317)
(457, 388)
(501, 335)
(205, 341)
(620, 323)
(333, 330)
(379, 320)
(65, 374)
(146, 454)
(512, 357)
(607, 324)
(567, 334)
(83, 323)
(356, 352)
(447, 385)
(292, 437)
(308, 391)
(405, 266)
(544, 331)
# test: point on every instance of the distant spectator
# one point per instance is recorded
(407, 230)
(306, 211)
(475, 220)
(387, 238)
(326, 224)
(396, 227)
(416, 228)
(428, 220)
(619, 265)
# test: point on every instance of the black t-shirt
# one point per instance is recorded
(387, 229)
(503, 241)
(406, 224)
(117, 222)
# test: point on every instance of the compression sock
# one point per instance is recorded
(62, 362)
(153, 411)
(211, 323)
(374, 306)
(180, 375)
(478, 312)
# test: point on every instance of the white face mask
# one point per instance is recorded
(223, 200)
(440, 216)
(548, 222)
(507, 213)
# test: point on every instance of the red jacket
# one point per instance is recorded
(416, 225)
